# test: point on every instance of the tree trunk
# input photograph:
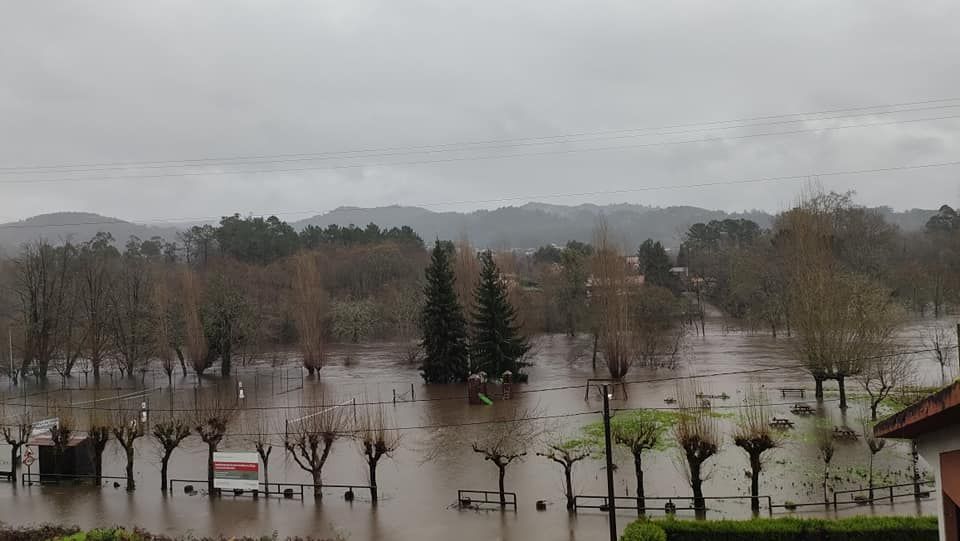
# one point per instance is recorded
(874, 404)
(130, 483)
(163, 469)
(696, 483)
(755, 468)
(843, 392)
(568, 478)
(826, 497)
(14, 463)
(317, 485)
(373, 480)
(183, 362)
(870, 476)
(638, 469)
(98, 464)
(210, 450)
(818, 387)
(503, 496)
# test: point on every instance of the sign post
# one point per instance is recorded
(27, 461)
(236, 471)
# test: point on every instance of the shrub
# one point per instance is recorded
(643, 530)
(794, 529)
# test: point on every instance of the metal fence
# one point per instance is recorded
(602, 503)
(466, 498)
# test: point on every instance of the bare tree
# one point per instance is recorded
(874, 445)
(308, 303)
(211, 419)
(95, 285)
(132, 313)
(610, 306)
(939, 340)
(754, 435)
(567, 452)
(505, 441)
(377, 440)
(826, 448)
(169, 432)
(258, 430)
(881, 374)
(15, 430)
(698, 435)
(99, 429)
(310, 437)
(164, 332)
(195, 338)
(127, 428)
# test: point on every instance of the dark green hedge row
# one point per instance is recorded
(787, 529)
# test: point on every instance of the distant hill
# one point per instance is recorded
(76, 227)
(526, 226)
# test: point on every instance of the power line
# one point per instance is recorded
(755, 180)
(445, 148)
(493, 141)
(470, 158)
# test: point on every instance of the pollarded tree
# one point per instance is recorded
(496, 345)
(567, 452)
(874, 446)
(99, 429)
(211, 419)
(310, 437)
(698, 436)
(259, 434)
(127, 428)
(506, 441)
(377, 440)
(15, 430)
(754, 435)
(826, 448)
(169, 432)
(443, 325)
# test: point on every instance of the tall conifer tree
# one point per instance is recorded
(443, 324)
(497, 344)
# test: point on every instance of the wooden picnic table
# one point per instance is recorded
(784, 391)
(844, 433)
(801, 409)
(781, 423)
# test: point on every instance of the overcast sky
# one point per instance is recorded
(117, 81)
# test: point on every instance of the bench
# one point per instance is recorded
(801, 409)
(784, 391)
(781, 423)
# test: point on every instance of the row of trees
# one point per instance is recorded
(308, 439)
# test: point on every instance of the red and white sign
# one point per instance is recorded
(233, 471)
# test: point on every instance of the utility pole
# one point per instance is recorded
(611, 501)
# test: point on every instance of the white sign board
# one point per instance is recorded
(5, 465)
(233, 471)
(44, 426)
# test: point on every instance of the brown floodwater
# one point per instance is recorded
(418, 497)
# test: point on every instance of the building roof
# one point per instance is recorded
(937, 411)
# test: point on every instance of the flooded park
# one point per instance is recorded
(419, 484)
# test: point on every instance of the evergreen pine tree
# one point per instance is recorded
(443, 324)
(497, 344)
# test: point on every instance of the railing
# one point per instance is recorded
(635, 502)
(8, 476)
(269, 489)
(465, 498)
(915, 490)
(74, 479)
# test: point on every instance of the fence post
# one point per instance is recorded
(891, 494)
(394, 397)
(413, 394)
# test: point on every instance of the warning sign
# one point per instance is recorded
(236, 471)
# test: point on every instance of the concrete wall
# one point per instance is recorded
(930, 447)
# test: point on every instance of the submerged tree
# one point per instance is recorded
(874, 446)
(126, 428)
(754, 435)
(211, 418)
(610, 307)
(99, 429)
(826, 448)
(377, 440)
(444, 328)
(15, 430)
(939, 340)
(308, 303)
(259, 434)
(310, 437)
(506, 441)
(567, 452)
(496, 343)
(169, 432)
(883, 373)
(698, 436)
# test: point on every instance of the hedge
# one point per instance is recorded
(64, 533)
(787, 529)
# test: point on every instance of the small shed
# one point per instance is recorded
(934, 424)
(75, 461)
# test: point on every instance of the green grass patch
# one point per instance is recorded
(786, 529)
